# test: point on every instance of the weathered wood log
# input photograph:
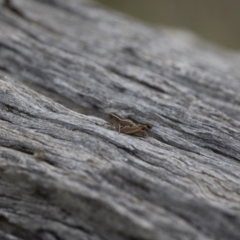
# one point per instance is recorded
(64, 176)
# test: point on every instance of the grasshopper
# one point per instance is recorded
(119, 122)
(127, 126)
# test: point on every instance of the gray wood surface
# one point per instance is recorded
(64, 65)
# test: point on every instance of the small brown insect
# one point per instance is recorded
(128, 126)
(118, 122)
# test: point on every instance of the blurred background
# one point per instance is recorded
(215, 20)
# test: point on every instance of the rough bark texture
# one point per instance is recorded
(63, 176)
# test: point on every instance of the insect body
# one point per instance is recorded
(128, 126)
(119, 122)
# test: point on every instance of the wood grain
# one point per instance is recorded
(64, 65)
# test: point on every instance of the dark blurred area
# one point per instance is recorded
(215, 20)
